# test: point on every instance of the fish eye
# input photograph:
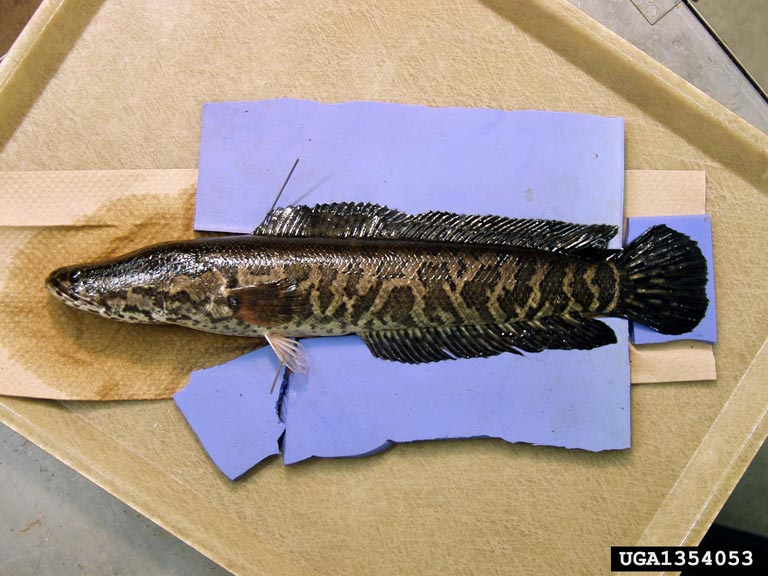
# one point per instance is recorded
(73, 275)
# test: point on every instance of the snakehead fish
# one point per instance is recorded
(416, 288)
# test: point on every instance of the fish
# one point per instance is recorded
(416, 288)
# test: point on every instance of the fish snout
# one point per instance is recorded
(62, 283)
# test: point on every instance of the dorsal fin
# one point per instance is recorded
(366, 220)
(552, 235)
(337, 220)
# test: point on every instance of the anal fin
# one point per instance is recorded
(420, 345)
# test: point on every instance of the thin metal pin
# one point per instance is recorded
(279, 369)
(283, 186)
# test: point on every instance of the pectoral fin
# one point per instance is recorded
(289, 351)
(266, 304)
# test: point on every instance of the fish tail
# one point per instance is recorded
(662, 281)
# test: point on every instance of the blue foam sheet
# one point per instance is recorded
(522, 164)
(564, 398)
(232, 412)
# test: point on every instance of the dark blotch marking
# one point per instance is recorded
(350, 288)
(179, 298)
(605, 282)
(581, 291)
(475, 295)
(437, 302)
(521, 291)
(509, 306)
(329, 277)
(362, 304)
(461, 270)
(325, 298)
(143, 291)
(398, 306)
(136, 311)
(553, 297)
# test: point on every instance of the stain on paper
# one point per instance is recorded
(93, 358)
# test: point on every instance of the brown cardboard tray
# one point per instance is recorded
(119, 85)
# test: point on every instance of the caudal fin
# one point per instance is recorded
(662, 281)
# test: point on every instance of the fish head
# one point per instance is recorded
(129, 288)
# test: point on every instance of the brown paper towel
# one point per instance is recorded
(57, 218)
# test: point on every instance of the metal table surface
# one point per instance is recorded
(680, 42)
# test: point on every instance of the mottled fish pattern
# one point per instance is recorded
(416, 288)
